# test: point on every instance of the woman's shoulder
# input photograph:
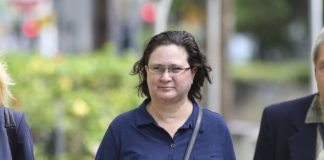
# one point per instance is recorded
(213, 118)
(8, 112)
(125, 117)
(20, 121)
(212, 114)
(18, 115)
(214, 125)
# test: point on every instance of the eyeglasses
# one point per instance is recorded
(175, 70)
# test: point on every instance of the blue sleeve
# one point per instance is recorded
(218, 136)
(108, 149)
(25, 147)
(264, 145)
(228, 149)
(4, 144)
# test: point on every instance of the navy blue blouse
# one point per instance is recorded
(24, 141)
(135, 135)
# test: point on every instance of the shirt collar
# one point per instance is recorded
(315, 113)
(144, 118)
(142, 115)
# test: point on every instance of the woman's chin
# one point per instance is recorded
(166, 96)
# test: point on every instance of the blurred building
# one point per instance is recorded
(88, 25)
(68, 27)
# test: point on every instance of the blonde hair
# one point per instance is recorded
(5, 82)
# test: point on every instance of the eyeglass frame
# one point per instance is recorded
(174, 70)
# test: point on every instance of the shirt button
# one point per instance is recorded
(172, 145)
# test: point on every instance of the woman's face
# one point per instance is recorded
(171, 84)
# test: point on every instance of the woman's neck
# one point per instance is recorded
(168, 113)
(170, 117)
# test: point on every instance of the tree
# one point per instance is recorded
(268, 22)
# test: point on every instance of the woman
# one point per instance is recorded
(172, 72)
(15, 141)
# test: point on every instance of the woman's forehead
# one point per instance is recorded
(169, 51)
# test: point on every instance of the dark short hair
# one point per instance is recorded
(195, 59)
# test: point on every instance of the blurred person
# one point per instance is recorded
(15, 135)
(172, 71)
(294, 129)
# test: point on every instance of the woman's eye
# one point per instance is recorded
(158, 68)
(175, 69)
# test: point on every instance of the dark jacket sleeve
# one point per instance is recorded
(264, 146)
(25, 147)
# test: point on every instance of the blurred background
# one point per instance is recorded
(71, 62)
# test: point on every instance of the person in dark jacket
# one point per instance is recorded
(293, 130)
(15, 143)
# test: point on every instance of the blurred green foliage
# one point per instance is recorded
(269, 22)
(283, 72)
(81, 94)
